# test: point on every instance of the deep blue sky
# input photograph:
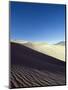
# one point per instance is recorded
(37, 22)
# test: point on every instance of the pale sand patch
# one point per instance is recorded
(56, 51)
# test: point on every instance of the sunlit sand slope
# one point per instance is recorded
(57, 51)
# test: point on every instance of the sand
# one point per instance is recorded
(30, 68)
(57, 51)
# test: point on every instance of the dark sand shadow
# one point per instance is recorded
(33, 60)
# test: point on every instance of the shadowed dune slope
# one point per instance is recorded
(30, 68)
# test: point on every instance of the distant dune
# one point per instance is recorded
(60, 43)
(57, 51)
(30, 68)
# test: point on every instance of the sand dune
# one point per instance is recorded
(30, 68)
(57, 51)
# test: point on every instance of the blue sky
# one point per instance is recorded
(37, 22)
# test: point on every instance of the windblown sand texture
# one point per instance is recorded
(31, 68)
